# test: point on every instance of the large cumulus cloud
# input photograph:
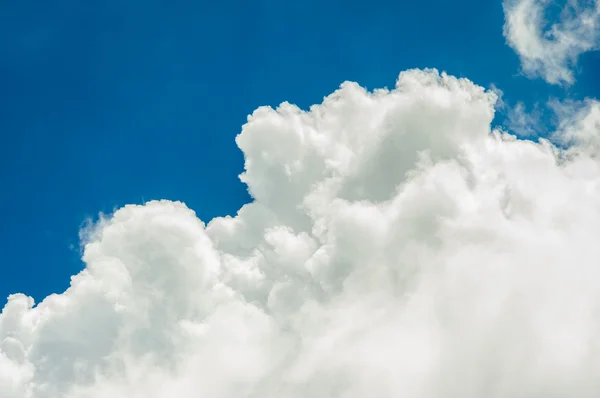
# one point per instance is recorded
(397, 246)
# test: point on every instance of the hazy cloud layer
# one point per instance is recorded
(550, 49)
(397, 247)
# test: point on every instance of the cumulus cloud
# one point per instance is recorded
(551, 49)
(397, 246)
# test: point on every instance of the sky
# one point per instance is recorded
(104, 104)
(148, 103)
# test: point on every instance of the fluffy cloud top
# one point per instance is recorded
(550, 50)
(397, 246)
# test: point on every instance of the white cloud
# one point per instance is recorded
(579, 125)
(551, 49)
(524, 123)
(396, 247)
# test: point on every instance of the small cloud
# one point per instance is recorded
(578, 124)
(524, 123)
(550, 49)
(500, 104)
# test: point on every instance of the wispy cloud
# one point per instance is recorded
(550, 49)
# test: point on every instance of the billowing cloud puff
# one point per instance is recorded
(550, 50)
(397, 246)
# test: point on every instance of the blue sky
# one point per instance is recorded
(108, 103)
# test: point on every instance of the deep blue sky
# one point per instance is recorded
(113, 102)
